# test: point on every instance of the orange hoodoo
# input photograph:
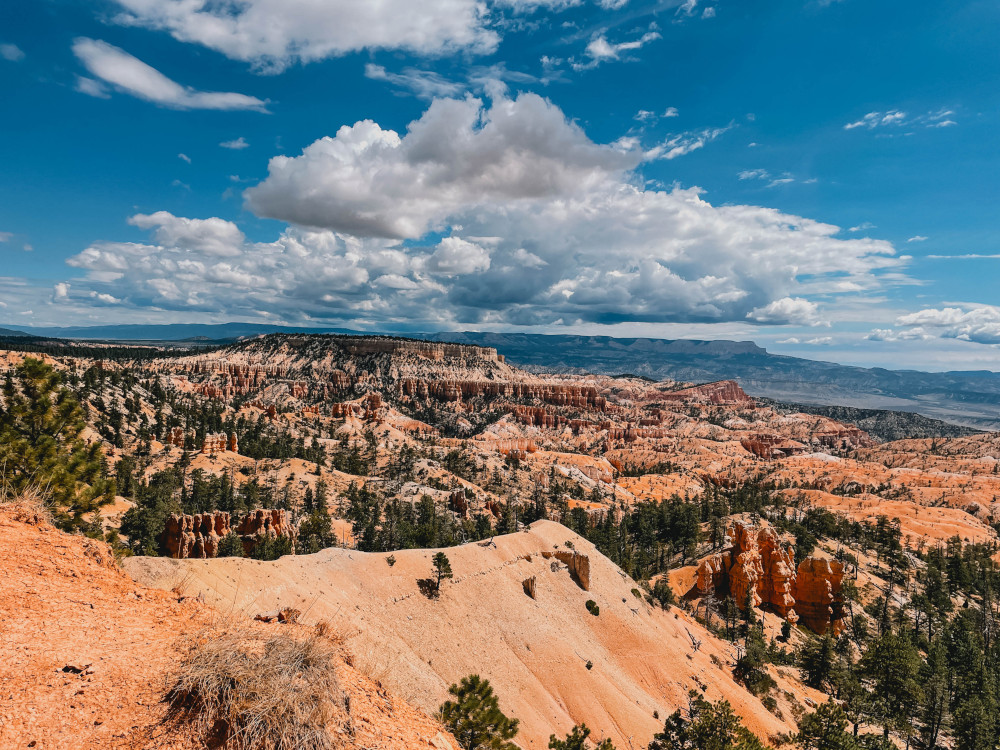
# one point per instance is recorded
(760, 569)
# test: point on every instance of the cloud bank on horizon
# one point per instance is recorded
(468, 176)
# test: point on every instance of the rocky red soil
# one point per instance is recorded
(88, 654)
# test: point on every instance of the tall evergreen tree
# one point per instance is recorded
(42, 445)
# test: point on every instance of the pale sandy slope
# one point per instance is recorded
(534, 652)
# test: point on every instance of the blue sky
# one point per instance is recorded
(818, 176)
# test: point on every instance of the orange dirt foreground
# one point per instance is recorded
(87, 655)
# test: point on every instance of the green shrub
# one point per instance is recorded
(231, 545)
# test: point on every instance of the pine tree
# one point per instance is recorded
(708, 726)
(577, 740)
(230, 546)
(42, 445)
(891, 666)
(475, 718)
(825, 729)
(442, 568)
(817, 659)
(751, 667)
(936, 679)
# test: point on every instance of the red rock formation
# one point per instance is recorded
(817, 594)
(528, 584)
(262, 523)
(578, 564)
(758, 567)
(582, 397)
(723, 392)
(772, 446)
(194, 536)
(458, 503)
(176, 437)
(520, 446)
(424, 349)
(199, 535)
(219, 442)
(775, 586)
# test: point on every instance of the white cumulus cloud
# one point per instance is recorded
(979, 323)
(787, 310)
(541, 225)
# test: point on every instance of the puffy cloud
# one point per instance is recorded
(117, 68)
(273, 34)
(213, 237)
(787, 310)
(371, 181)
(979, 324)
(918, 238)
(455, 256)
(541, 225)
(6, 236)
(11, 52)
(208, 265)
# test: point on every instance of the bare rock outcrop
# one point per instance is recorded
(265, 523)
(817, 594)
(578, 564)
(529, 586)
(759, 567)
(198, 535)
(723, 392)
(219, 442)
(772, 446)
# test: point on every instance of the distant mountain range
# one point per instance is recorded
(202, 332)
(969, 398)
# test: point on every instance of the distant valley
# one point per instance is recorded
(965, 398)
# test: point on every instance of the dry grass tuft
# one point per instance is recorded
(27, 506)
(248, 690)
